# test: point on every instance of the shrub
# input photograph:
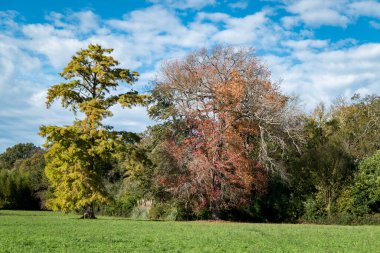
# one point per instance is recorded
(163, 211)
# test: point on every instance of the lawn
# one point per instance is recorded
(27, 231)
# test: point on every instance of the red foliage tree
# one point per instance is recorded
(233, 119)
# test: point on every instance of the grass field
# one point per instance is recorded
(24, 231)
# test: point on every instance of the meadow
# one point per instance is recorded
(38, 231)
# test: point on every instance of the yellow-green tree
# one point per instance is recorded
(77, 153)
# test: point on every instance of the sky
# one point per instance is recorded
(318, 50)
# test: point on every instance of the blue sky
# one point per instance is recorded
(318, 49)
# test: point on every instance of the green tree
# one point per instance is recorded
(327, 160)
(22, 180)
(365, 191)
(17, 152)
(77, 155)
(33, 168)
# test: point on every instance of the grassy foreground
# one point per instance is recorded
(23, 231)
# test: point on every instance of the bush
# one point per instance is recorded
(140, 213)
(345, 219)
(311, 211)
(163, 211)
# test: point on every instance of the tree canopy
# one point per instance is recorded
(231, 125)
(77, 154)
(227, 144)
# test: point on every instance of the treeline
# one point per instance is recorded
(228, 145)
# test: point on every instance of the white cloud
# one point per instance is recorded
(316, 12)
(256, 29)
(155, 19)
(184, 4)
(55, 44)
(15, 65)
(239, 5)
(213, 17)
(323, 76)
(300, 45)
(7, 21)
(365, 8)
(76, 22)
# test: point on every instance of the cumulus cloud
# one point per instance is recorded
(184, 4)
(316, 12)
(324, 75)
(256, 29)
(76, 22)
(239, 5)
(365, 8)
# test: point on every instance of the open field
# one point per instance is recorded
(27, 231)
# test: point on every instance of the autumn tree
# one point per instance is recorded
(77, 153)
(230, 127)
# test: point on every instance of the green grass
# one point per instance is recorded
(24, 231)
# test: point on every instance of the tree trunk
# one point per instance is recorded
(215, 214)
(89, 213)
(215, 210)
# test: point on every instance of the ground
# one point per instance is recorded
(27, 231)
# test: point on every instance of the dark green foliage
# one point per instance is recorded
(17, 152)
(365, 191)
(16, 191)
(23, 184)
(335, 187)
(281, 203)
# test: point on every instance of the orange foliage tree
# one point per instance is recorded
(233, 122)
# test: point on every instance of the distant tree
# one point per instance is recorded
(230, 126)
(359, 124)
(34, 169)
(16, 191)
(17, 152)
(338, 138)
(327, 161)
(77, 154)
(22, 181)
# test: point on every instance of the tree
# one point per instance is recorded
(365, 191)
(34, 168)
(328, 162)
(17, 152)
(359, 124)
(76, 156)
(230, 125)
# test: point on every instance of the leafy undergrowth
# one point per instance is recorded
(27, 231)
